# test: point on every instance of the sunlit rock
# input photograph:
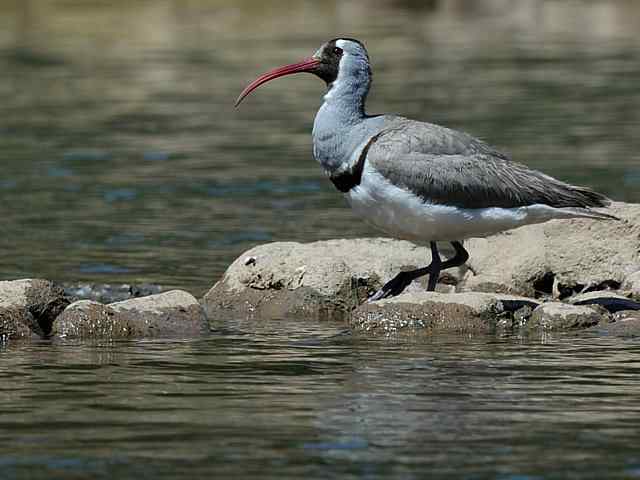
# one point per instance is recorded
(29, 307)
(171, 314)
(326, 279)
(557, 258)
(564, 316)
(632, 285)
(419, 313)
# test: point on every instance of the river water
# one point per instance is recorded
(286, 400)
(124, 161)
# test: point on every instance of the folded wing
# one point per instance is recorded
(444, 166)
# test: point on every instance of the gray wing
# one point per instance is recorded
(448, 167)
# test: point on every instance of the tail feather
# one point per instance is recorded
(590, 198)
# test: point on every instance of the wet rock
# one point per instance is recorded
(170, 314)
(625, 324)
(107, 293)
(563, 316)
(321, 279)
(29, 307)
(420, 313)
(611, 301)
(557, 258)
(632, 285)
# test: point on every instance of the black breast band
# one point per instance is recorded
(347, 179)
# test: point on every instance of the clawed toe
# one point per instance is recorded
(392, 288)
(379, 295)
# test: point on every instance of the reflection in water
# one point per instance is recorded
(118, 118)
(318, 403)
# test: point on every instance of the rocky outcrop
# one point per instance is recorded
(330, 279)
(29, 307)
(558, 258)
(171, 314)
(320, 279)
(429, 312)
(592, 266)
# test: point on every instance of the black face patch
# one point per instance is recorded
(330, 58)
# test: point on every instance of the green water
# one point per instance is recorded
(124, 161)
(312, 402)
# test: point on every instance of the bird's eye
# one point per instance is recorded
(337, 51)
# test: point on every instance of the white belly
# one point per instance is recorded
(401, 214)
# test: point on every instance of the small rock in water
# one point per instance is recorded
(170, 314)
(626, 324)
(29, 307)
(563, 316)
(432, 312)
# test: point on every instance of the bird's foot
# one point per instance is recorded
(393, 287)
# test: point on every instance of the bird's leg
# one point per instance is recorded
(435, 267)
(397, 284)
(460, 257)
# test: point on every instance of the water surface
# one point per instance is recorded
(313, 402)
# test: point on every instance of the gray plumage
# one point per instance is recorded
(449, 167)
(438, 164)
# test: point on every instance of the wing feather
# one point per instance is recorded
(449, 167)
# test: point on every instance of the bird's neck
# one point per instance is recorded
(346, 97)
(337, 122)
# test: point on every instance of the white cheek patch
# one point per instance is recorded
(340, 78)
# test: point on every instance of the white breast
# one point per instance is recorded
(401, 214)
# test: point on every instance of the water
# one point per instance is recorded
(310, 401)
(124, 161)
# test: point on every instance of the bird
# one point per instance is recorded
(419, 181)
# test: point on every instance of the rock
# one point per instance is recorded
(422, 313)
(632, 285)
(170, 314)
(107, 293)
(329, 279)
(29, 306)
(626, 324)
(559, 257)
(321, 279)
(611, 301)
(563, 316)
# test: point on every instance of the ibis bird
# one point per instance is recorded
(419, 181)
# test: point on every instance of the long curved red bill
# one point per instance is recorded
(306, 65)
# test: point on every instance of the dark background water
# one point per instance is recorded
(124, 161)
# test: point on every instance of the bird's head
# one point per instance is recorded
(338, 58)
